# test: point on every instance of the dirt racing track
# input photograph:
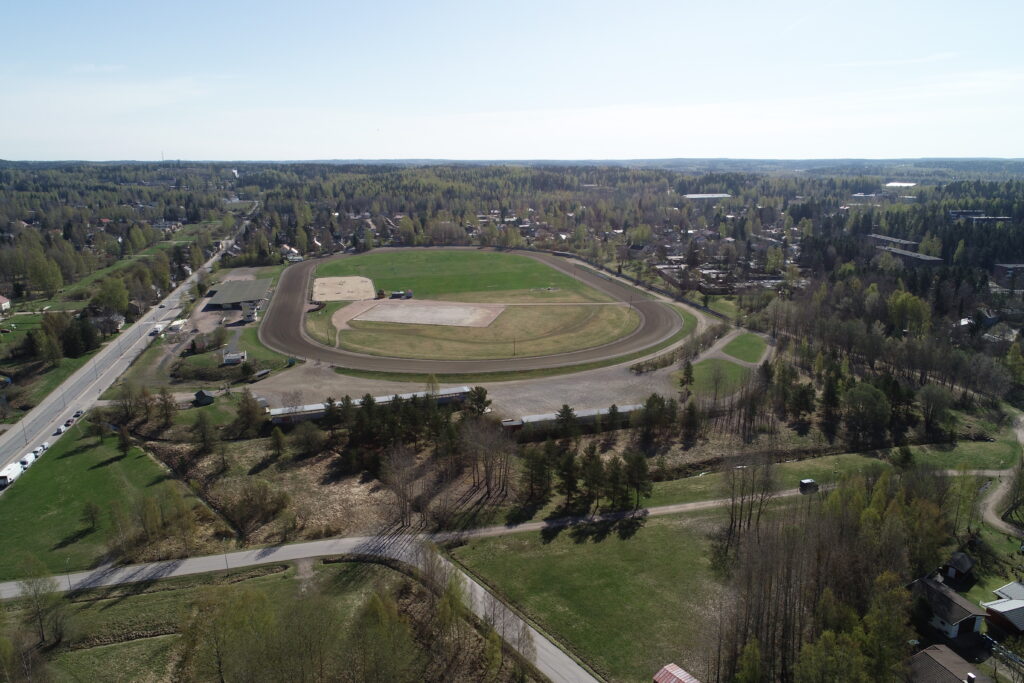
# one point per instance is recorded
(283, 328)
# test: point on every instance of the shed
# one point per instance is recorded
(204, 397)
(673, 673)
(959, 566)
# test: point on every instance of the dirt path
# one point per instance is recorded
(993, 502)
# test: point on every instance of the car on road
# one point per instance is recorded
(27, 461)
(37, 451)
(60, 430)
(161, 306)
(79, 413)
(70, 421)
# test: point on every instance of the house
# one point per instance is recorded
(204, 397)
(234, 358)
(1008, 611)
(952, 614)
(939, 664)
(5, 304)
(672, 673)
(959, 566)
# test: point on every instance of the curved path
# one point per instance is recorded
(283, 327)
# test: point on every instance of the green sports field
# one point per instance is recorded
(716, 378)
(464, 275)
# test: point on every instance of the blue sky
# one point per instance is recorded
(519, 80)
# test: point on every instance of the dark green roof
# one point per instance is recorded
(237, 291)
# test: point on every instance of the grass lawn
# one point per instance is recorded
(975, 455)
(221, 412)
(626, 606)
(725, 304)
(463, 276)
(41, 510)
(318, 323)
(730, 377)
(689, 322)
(518, 331)
(747, 347)
(825, 470)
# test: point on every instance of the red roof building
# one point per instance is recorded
(671, 673)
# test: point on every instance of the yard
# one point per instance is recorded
(717, 378)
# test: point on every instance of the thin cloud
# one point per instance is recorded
(908, 61)
(97, 68)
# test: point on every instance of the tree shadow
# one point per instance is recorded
(525, 511)
(72, 538)
(109, 461)
(159, 479)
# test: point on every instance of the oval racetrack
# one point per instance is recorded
(283, 328)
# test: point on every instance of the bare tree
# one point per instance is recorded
(399, 474)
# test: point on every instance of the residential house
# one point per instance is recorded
(1008, 611)
(951, 614)
(939, 664)
(5, 304)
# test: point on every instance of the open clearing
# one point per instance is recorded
(432, 313)
(519, 331)
(627, 606)
(747, 347)
(463, 275)
(717, 378)
(351, 288)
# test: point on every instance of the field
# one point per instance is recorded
(729, 376)
(41, 512)
(518, 331)
(464, 275)
(626, 604)
(746, 347)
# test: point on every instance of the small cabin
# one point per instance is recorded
(204, 397)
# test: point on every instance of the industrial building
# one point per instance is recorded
(240, 294)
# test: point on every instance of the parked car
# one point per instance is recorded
(70, 421)
(79, 413)
(60, 430)
(9, 474)
(27, 461)
(37, 451)
(808, 486)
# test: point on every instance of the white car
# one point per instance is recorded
(27, 461)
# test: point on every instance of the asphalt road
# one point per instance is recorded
(83, 388)
(283, 329)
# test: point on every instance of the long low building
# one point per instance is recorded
(240, 293)
(316, 411)
(547, 420)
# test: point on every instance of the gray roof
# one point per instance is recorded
(962, 562)
(947, 604)
(237, 291)
(939, 664)
(911, 254)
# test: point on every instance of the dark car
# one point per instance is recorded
(79, 413)
(70, 421)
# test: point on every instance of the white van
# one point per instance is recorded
(37, 451)
(27, 461)
(9, 474)
(45, 445)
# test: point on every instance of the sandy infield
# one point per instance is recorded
(418, 312)
(351, 288)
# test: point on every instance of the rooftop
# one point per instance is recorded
(237, 291)
(939, 664)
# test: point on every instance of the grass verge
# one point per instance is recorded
(747, 347)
